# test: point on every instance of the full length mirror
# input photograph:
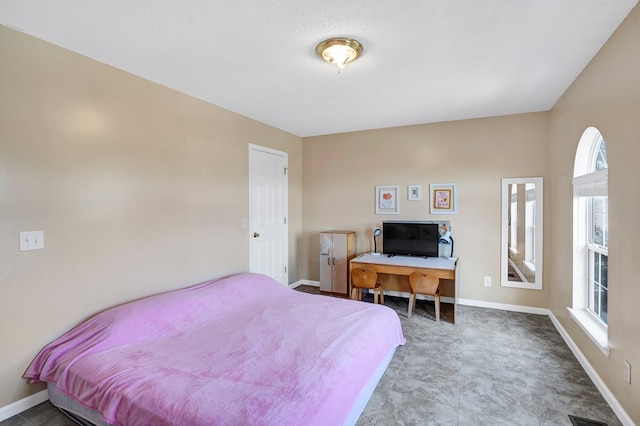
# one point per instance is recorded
(522, 233)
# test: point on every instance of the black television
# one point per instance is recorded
(410, 238)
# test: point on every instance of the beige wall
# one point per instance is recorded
(341, 171)
(606, 95)
(138, 189)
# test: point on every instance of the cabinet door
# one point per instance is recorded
(340, 263)
(326, 267)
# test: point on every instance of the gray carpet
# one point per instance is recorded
(491, 368)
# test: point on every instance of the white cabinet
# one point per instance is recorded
(337, 248)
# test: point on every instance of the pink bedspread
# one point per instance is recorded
(237, 351)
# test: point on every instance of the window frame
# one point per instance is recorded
(592, 249)
(587, 184)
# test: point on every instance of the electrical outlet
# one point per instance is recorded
(627, 371)
(487, 281)
(31, 240)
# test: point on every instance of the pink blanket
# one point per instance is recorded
(240, 350)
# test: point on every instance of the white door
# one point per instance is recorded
(268, 229)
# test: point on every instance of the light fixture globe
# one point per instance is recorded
(339, 51)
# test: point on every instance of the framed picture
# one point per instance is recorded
(414, 193)
(442, 198)
(387, 200)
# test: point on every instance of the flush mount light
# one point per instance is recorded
(339, 51)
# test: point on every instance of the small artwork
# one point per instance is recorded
(414, 193)
(387, 200)
(442, 198)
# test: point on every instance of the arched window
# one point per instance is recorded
(591, 237)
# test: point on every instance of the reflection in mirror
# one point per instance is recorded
(521, 255)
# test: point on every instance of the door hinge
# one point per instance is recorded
(285, 170)
(285, 269)
(285, 220)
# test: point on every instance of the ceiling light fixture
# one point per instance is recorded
(339, 51)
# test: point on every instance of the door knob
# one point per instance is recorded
(256, 235)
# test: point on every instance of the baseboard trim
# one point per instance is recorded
(595, 377)
(24, 404)
(304, 282)
(504, 307)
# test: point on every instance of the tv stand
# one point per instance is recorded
(393, 273)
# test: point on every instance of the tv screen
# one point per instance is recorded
(410, 238)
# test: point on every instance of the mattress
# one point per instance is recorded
(240, 350)
(74, 409)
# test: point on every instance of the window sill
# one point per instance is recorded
(596, 331)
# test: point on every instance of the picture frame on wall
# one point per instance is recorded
(387, 200)
(414, 193)
(442, 198)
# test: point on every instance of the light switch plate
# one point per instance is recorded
(31, 240)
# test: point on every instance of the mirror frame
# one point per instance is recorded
(504, 253)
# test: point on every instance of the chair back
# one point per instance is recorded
(424, 282)
(363, 278)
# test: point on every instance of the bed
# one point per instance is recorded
(239, 350)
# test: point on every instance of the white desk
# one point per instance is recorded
(393, 272)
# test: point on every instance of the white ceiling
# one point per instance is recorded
(424, 61)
